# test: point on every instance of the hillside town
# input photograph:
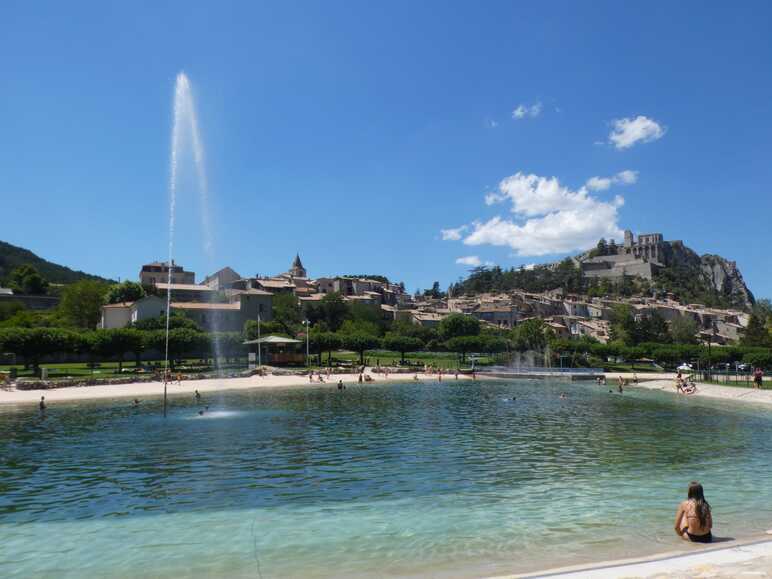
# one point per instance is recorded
(226, 300)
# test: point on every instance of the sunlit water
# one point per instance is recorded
(451, 479)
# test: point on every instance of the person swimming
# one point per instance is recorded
(136, 402)
(694, 521)
(42, 404)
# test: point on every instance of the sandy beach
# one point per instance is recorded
(666, 383)
(143, 390)
(722, 561)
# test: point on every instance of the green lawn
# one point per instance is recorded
(445, 360)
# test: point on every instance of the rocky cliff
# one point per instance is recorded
(707, 274)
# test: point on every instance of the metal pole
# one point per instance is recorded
(308, 326)
(259, 345)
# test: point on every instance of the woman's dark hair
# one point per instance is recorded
(702, 506)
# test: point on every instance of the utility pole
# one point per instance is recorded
(259, 345)
(307, 324)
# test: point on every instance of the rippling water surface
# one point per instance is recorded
(452, 479)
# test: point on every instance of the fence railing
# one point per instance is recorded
(538, 370)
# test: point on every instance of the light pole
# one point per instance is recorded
(259, 345)
(307, 324)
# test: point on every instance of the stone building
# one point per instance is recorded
(158, 271)
(297, 269)
(648, 247)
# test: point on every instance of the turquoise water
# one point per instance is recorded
(451, 479)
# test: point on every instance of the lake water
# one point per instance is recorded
(443, 480)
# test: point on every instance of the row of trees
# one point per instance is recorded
(79, 307)
(34, 344)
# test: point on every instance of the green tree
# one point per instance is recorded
(434, 292)
(25, 279)
(360, 342)
(759, 359)
(423, 333)
(266, 328)
(321, 341)
(653, 328)
(756, 332)
(683, 329)
(82, 303)
(286, 311)
(127, 291)
(116, 343)
(177, 320)
(332, 310)
(181, 341)
(600, 249)
(9, 309)
(464, 345)
(456, 325)
(402, 344)
(35, 343)
(532, 334)
(623, 326)
(231, 344)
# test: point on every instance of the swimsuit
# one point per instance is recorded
(706, 538)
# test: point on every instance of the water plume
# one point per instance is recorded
(186, 135)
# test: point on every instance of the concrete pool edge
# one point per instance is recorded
(663, 564)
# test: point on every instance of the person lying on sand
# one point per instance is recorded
(693, 520)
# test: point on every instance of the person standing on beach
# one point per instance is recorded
(198, 396)
(758, 378)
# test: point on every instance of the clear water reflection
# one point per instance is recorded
(383, 480)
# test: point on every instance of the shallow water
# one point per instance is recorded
(451, 479)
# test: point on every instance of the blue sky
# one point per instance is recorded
(390, 138)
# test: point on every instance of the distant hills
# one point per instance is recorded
(12, 256)
(707, 279)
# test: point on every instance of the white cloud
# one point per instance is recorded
(523, 110)
(626, 177)
(453, 234)
(472, 260)
(627, 132)
(491, 124)
(549, 217)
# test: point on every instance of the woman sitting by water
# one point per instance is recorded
(693, 520)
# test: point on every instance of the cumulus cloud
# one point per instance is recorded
(522, 111)
(626, 177)
(471, 260)
(453, 234)
(549, 217)
(627, 132)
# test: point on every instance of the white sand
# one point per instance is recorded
(737, 393)
(144, 390)
(735, 559)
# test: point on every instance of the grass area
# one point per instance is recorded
(638, 368)
(445, 360)
(101, 369)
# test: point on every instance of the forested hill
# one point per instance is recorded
(12, 257)
(709, 279)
